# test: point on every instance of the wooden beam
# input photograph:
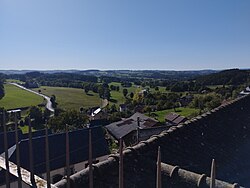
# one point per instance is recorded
(7, 175)
(121, 164)
(67, 157)
(158, 174)
(90, 160)
(18, 154)
(32, 179)
(212, 178)
(47, 156)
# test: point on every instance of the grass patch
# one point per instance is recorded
(25, 129)
(187, 112)
(16, 97)
(71, 98)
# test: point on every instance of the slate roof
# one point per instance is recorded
(10, 139)
(98, 122)
(171, 116)
(180, 119)
(78, 141)
(145, 121)
(36, 134)
(122, 128)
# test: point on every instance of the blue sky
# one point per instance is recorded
(128, 34)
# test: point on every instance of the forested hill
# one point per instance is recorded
(149, 74)
(226, 77)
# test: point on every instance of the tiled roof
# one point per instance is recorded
(180, 119)
(122, 128)
(171, 116)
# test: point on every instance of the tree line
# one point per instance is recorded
(1, 86)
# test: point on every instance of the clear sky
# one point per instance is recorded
(128, 34)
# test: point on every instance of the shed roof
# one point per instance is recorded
(179, 120)
(171, 116)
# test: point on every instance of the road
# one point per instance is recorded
(48, 105)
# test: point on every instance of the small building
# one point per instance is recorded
(144, 121)
(98, 114)
(179, 120)
(125, 128)
(246, 91)
(15, 111)
(169, 118)
(174, 119)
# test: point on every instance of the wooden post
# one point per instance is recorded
(138, 121)
(121, 164)
(212, 178)
(158, 175)
(7, 175)
(67, 157)
(32, 178)
(47, 156)
(18, 154)
(137, 130)
(90, 160)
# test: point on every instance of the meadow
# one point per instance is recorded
(117, 96)
(16, 98)
(187, 112)
(71, 98)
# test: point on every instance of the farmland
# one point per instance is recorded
(71, 98)
(17, 98)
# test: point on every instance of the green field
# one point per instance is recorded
(16, 98)
(118, 95)
(71, 98)
(187, 112)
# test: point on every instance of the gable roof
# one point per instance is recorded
(145, 121)
(122, 128)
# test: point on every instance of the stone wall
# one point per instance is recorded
(222, 134)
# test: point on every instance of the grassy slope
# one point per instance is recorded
(71, 98)
(16, 97)
(118, 95)
(187, 112)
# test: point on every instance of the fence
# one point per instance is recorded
(33, 180)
